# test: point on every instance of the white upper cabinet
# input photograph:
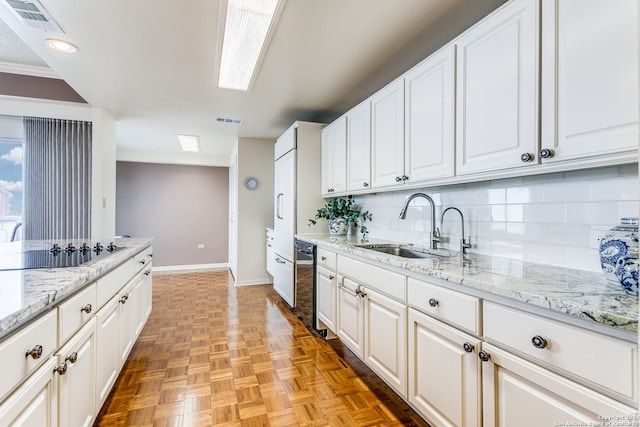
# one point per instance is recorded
(429, 112)
(359, 147)
(497, 97)
(589, 78)
(334, 160)
(387, 136)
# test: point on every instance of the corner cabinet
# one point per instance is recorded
(589, 80)
(334, 158)
(497, 98)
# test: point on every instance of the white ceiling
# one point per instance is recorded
(152, 63)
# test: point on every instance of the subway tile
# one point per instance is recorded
(525, 194)
(566, 192)
(515, 213)
(567, 234)
(525, 231)
(546, 213)
(592, 174)
(615, 189)
(582, 258)
(545, 253)
(544, 178)
(498, 213)
(592, 213)
(628, 209)
(491, 196)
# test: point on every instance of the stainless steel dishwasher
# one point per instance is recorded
(305, 285)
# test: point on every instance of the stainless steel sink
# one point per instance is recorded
(400, 251)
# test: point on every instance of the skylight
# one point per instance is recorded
(189, 143)
(247, 25)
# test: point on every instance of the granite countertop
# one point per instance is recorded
(582, 294)
(26, 293)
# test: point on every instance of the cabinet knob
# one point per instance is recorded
(148, 272)
(331, 277)
(124, 298)
(323, 258)
(365, 184)
(73, 357)
(405, 178)
(468, 347)
(546, 153)
(538, 342)
(62, 369)
(433, 302)
(398, 179)
(526, 157)
(35, 352)
(484, 356)
(143, 262)
(87, 309)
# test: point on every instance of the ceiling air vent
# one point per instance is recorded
(230, 121)
(33, 15)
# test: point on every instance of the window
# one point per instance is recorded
(11, 196)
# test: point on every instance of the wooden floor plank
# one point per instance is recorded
(213, 354)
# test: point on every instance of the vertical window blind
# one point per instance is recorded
(57, 181)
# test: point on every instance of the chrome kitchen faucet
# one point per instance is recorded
(463, 244)
(435, 233)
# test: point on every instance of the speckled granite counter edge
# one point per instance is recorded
(577, 293)
(49, 287)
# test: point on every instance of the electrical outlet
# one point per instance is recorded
(200, 245)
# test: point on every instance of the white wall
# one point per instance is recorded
(255, 209)
(103, 185)
(552, 219)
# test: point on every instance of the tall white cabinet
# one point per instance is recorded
(296, 198)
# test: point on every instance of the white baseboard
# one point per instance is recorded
(190, 268)
(254, 282)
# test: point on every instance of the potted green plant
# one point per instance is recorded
(341, 212)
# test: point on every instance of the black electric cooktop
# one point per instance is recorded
(56, 256)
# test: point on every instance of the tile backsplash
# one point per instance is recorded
(552, 219)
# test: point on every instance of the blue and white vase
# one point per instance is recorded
(338, 226)
(617, 248)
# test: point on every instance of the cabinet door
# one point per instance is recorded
(387, 136)
(350, 316)
(141, 301)
(334, 157)
(519, 393)
(497, 90)
(429, 112)
(108, 352)
(359, 147)
(283, 279)
(76, 385)
(125, 321)
(284, 209)
(589, 78)
(326, 298)
(271, 258)
(386, 339)
(35, 403)
(444, 372)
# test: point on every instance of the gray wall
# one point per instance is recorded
(37, 87)
(180, 206)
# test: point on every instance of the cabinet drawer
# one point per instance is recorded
(75, 312)
(143, 258)
(453, 307)
(15, 361)
(109, 284)
(385, 281)
(606, 362)
(327, 258)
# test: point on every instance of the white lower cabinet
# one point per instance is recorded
(350, 315)
(34, 403)
(326, 299)
(141, 296)
(283, 278)
(520, 393)
(77, 378)
(385, 337)
(108, 364)
(125, 322)
(444, 373)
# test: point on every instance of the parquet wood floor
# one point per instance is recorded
(214, 354)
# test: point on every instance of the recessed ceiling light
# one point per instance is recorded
(247, 26)
(61, 46)
(189, 143)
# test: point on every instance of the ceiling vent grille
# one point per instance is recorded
(33, 15)
(230, 121)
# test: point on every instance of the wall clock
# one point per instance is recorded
(251, 183)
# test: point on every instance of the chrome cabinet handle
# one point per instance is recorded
(405, 178)
(143, 262)
(546, 153)
(365, 184)
(398, 179)
(468, 347)
(279, 261)
(124, 298)
(73, 357)
(331, 277)
(35, 352)
(62, 369)
(433, 302)
(538, 342)
(526, 157)
(148, 272)
(323, 258)
(484, 356)
(87, 308)
(278, 203)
